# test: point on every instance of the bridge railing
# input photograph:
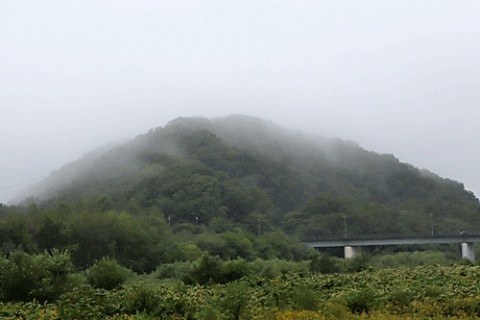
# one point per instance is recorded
(387, 236)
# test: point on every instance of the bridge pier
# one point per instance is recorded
(350, 252)
(467, 251)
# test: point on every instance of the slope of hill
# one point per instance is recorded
(248, 170)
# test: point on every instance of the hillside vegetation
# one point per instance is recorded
(248, 172)
(235, 187)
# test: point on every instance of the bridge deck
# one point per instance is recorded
(392, 241)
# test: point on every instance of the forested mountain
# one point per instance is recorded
(252, 173)
(224, 203)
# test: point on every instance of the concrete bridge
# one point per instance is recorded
(351, 245)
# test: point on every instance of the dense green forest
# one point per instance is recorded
(250, 172)
(236, 187)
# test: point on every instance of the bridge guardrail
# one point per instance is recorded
(389, 236)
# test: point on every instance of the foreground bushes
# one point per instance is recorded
(45, 286)
(42, 277)
(107, 274)
(209, 270)
(288, 297)
(422, 292)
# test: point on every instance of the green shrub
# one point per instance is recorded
(206, 270)
(275, 267)
(410, 259)
(304, 298)
(211, 311)
(86, 302)
(141, 296)
(42, 277)
(462, 307)
(177, 270)
(18, 277)
(357, 263)
(401, 298)
(27, 311)
(235, 270)
(362, 300)
(432, 292)
(107, 274)
(235, 300)
(324, 264)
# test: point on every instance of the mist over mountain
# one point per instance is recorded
(248, 170)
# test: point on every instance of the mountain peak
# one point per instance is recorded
(242, 167)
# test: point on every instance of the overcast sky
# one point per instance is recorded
(399, 77)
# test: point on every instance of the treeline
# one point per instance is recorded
(143, 241)
(140, 242)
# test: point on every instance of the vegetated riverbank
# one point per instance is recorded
(270, 291)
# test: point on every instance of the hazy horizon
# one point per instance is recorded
(396, 77)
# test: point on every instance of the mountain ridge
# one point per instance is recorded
(243, 168)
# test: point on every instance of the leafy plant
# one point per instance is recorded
(107, 274)
(86, 302)
(362, 300)
(43, 277)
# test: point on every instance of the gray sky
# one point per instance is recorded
(400, 77)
